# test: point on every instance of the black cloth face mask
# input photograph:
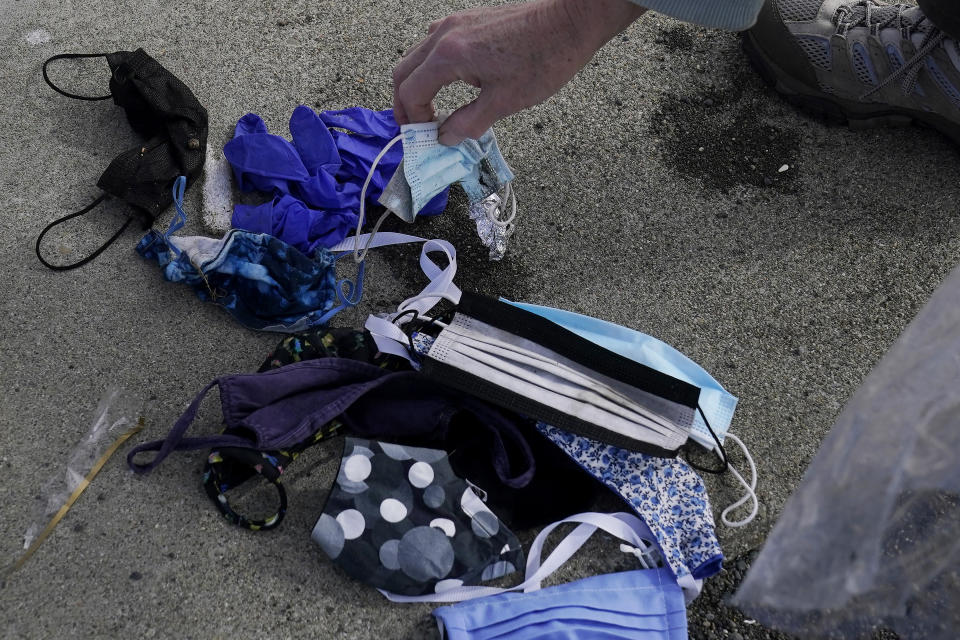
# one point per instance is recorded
(173, 124)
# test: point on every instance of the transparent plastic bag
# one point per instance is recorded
(872, 534)
(115, 415)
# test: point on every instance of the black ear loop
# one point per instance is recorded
(415, 314)
(69, 56)
(722, 454)
(66, 267)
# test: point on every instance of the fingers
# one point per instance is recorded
(439, 56)
(471, 120)
(407, 64)
(439, 67)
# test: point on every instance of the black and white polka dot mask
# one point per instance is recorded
(399, 519)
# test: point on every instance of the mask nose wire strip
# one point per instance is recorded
(68, 56)
(751, 489)
(65, 507)
(58, 221)
(358, 255)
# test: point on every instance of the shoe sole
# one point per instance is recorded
(856, 115)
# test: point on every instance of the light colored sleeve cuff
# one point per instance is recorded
(735, 15)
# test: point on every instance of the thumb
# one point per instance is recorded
(469, 121)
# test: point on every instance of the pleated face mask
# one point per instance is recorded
(429, 167)
(716, 405)
(528, 364)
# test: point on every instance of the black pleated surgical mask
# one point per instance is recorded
(173, 125)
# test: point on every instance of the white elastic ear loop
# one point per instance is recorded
(751, 489)
(441, 285)
(490, 212)
(358, 255)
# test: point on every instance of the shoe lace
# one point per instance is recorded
(876, 16)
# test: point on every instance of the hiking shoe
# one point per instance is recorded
(859, 62)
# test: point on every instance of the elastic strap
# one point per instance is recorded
(625, 526)
(70, 56)
(350, 292)
(721, 452)
(354, 289)
(67, 267)
(265, 469)
(175, 440)
(750, 489)
(358, 254)
(180, 217)
(386, 329)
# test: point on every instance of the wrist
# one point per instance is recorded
(596, 21)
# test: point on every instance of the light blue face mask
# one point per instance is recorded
(643, 604)
(716, 403)
(429, 167)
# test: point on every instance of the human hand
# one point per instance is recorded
(517, 55)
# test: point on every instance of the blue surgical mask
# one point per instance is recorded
(715, 401)
(429, 167)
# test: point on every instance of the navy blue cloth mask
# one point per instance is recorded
(280, 408)
(316, 180)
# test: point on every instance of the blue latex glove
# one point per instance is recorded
(315, 181)
(298, 225)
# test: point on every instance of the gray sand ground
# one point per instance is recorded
(650, 196)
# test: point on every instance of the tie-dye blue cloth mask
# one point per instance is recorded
(263, 282)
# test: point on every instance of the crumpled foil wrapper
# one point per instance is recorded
(491, 235)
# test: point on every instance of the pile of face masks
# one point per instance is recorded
(448, 418)
(460, 426)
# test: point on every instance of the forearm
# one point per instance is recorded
(735, 15)
(596, 21)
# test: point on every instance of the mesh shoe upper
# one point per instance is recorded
(866, 51)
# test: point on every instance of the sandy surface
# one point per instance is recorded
(650, 196)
